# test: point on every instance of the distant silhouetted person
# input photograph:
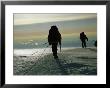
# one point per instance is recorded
(83, 39)
(95, 43)
(54, 38)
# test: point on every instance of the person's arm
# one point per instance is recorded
(60, 39)
(80, 36)
(49, 39)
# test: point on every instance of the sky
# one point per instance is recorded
(21, 19)
(33, 26)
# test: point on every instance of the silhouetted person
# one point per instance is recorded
(83, 39)
(54, 38)
(95, 43)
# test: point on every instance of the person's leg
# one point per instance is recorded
(85, 44)
(54, 49)
(82, 45)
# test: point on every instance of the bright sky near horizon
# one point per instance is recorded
(33, 26)
(23, 19)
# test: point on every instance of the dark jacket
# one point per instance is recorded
(83, 37)
(54, 35)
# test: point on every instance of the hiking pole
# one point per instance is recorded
(60, 47)
(45, 43)
(43, 51)
(27, 71)
(37, 51)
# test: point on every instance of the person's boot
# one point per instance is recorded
(55, 56)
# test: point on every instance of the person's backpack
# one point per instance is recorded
(54, 35)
